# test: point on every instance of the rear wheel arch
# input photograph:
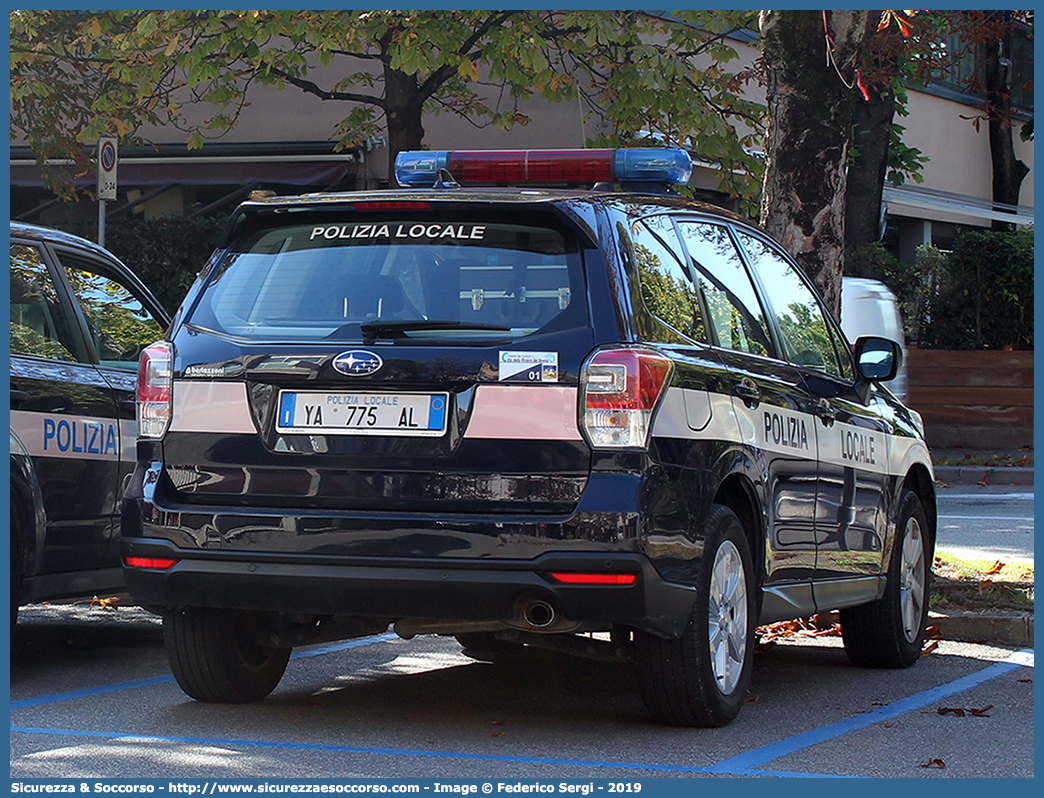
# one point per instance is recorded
(27, 516)
(22, 541)
(738, 494)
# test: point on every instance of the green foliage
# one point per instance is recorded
(988, 299)
(903, 161)
(165, 253)
(77, 75)
(978, 296)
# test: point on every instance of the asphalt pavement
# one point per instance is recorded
(91, 696)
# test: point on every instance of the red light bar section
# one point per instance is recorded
(152, 563)
(531, 166)
(595, 579)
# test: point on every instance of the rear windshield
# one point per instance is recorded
(397, 278)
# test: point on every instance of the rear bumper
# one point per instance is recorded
(439, 590)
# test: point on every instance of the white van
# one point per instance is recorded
(868, 307)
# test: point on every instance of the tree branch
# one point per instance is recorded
(325, 94)
(443, 73)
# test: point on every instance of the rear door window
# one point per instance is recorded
(119, 323)
(667, 291)
(735, 313)
(396, 278)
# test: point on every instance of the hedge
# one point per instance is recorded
(977, 296)
(165, 253)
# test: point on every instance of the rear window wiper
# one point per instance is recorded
(397, 328)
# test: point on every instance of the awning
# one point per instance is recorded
(318, 171)
(941, 206)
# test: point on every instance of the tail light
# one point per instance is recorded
(154, 383)
(594, 578)
(620, 389)
(150, 563)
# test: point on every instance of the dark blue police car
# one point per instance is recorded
(521, 416)
(79, 321)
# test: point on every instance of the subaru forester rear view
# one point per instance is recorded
(520, 416)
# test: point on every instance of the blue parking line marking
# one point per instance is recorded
(748, 761)
(109, 688)
(114, 688)
(745, 764)
(358, 642)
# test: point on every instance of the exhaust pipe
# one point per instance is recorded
(539, 614)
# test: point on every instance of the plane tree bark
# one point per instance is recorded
(810, 60)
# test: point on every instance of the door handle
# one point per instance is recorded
(747, 390)
(826, 412)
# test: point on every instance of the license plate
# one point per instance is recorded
(338, 413)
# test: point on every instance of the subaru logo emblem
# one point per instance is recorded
(357, 362)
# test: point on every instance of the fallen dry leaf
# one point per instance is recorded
(961, 712)
(930, 648)
(820, 625)
(995, 568)
(934, 763)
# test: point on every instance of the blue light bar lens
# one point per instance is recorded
(419, 168)
(672, 166)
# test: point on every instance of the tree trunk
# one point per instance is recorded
(404, 107)
(1008, 171)
(807, 142)
(871, 136)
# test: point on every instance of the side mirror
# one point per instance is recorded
(877, 359)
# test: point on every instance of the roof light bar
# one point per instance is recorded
(421, 169)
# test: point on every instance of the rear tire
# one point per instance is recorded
(889, 632)
(701, 678)
(216, 657)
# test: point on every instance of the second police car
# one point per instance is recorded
(79, 319)
(520, 416)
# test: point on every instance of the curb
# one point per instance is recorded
(988, 628)
(991, 475)
(995, 628)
